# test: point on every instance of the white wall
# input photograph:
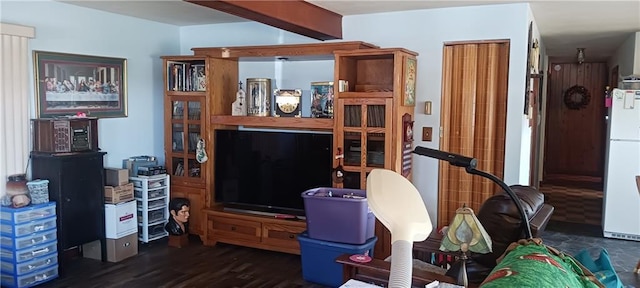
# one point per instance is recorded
(636, 62)
(287, 74)
(67, 28)
(627, 57)
(425, 32)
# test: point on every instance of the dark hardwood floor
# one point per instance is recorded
(158, 265)
(230, 266)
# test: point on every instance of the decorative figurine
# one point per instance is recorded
(239, 107)
(201, 154)
(178, 222)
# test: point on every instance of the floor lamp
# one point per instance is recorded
(469, 164)
(465, 232)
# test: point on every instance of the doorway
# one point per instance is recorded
(473, 121)
(575, 133)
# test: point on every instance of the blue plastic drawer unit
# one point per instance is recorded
(30, 279)
(28, 240)
(27, 254)
(26, 228)
(28, 245)
(319, 258)
(35, 264)
(27, 214)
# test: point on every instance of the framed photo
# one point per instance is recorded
(67, 84)
(410, 82)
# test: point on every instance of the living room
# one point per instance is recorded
(66, 28)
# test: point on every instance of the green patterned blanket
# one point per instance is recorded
(529, 263)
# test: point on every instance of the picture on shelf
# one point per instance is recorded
(322, 99)
(67, 84)
(410, 82)
(199, 77)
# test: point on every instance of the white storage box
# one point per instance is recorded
(120, 219)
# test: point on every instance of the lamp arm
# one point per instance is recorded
(523, 216)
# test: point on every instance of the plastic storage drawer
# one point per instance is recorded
(29, 266)
(28, 227)
(319, 258)
(17, 256)
(153, 216)
(338, 215)
(31, 279)
(152, 193)
(28, 241)
(155, 231)
(27, 214)
(154, 181)
(153, 204)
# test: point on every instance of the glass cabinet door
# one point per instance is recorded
(363, 138)
(186, 130)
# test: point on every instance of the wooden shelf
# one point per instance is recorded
(187, 93)
(291, 52)
(374, 94)
(275, 122)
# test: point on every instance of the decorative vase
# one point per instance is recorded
(17, 185)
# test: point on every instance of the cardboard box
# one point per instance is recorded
(118, 194)
(122, 248)
(116, 176)
(92, 250)
(117, 249)
(120, 219)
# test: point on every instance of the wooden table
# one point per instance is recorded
(377, 272)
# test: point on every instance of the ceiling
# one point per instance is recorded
(598, 26)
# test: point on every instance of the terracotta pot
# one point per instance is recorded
(17, 185)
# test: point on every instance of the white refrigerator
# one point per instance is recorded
(621, 211)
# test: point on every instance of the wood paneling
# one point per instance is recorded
(474, 99)
(575, 139)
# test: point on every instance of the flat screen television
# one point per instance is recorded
(267, 171)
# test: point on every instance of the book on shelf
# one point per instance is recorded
(185, 76)
(179, 170)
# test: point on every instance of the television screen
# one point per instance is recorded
(268, 171)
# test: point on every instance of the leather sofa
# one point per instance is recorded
(501, 219)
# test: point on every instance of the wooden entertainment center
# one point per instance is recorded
(372, 125)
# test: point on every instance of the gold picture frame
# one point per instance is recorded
(68, 84)
(409, 95)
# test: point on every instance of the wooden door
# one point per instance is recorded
(575, 138)
(534, 123)
(473, 117)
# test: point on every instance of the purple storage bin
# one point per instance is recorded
(333, 217)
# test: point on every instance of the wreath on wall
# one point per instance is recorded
(577, 97)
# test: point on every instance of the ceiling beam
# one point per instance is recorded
(295, 16)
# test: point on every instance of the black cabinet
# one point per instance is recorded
(76, 183)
